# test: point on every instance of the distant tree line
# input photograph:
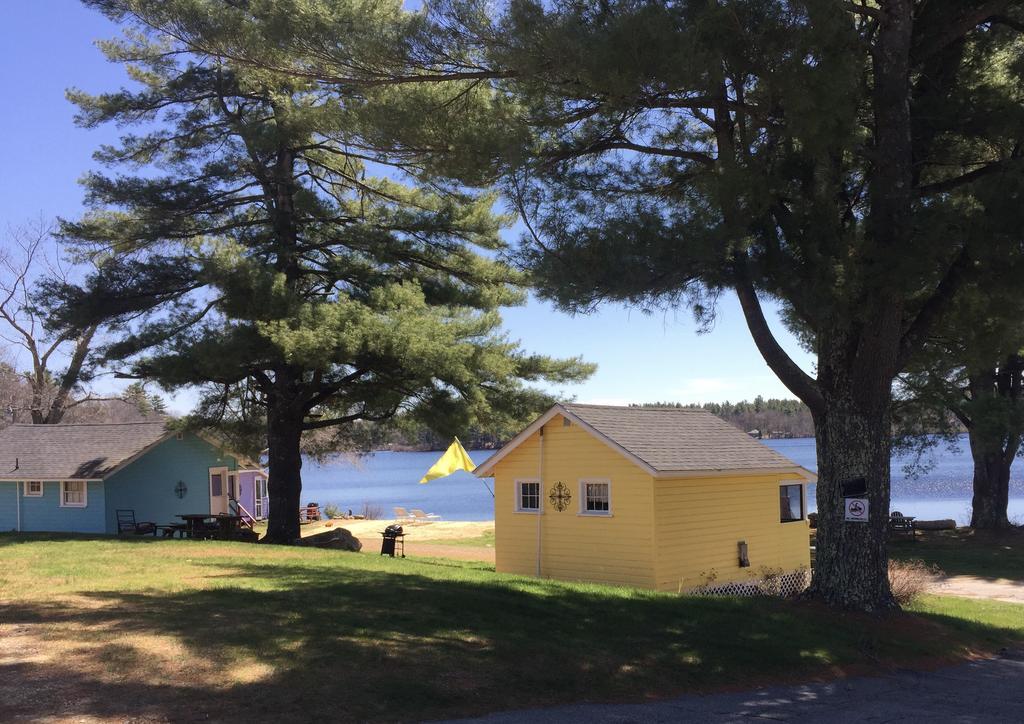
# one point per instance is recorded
(771, 418)
(914, 432)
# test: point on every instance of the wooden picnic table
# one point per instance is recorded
(902, 524)
(228, 525)
(195, 524)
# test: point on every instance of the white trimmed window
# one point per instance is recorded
(595, 497)
(74, 494)
(528, 496)
(791, 500)
(33, 488)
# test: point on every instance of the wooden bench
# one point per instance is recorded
(900, 524)
(127, 525)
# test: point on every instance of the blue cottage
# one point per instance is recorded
(73, 478)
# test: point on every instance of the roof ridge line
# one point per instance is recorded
(637, 407)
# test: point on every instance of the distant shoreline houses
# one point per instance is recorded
(74, 478)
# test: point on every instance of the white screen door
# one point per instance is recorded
(218, 490)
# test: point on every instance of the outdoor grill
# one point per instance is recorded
(394, 541)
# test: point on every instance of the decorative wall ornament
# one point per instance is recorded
(560, 496)
(180, 489)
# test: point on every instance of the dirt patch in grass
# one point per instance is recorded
(974, 587)
(454, 552)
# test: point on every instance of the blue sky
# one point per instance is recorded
(47, 46)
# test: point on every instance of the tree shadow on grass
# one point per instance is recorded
(12, 539)
(963, 552)
(394, 644)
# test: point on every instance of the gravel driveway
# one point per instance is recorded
(990, 690)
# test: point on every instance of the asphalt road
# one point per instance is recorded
(981, 691)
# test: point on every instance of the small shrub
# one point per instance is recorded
(333, 510)
(909, 579)
(372, 511)
(704, 588)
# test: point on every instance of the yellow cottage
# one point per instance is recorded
(664, 498)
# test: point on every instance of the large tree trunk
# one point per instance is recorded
(991, 488)
(285, 413)
(851, 403)
(859, 352)
(285, 408)
(995, 437)
(284, 485)
(851, 569)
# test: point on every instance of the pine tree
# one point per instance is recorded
(969, 375)
(843, 159)
(285, 247)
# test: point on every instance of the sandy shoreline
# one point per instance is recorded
(435, 539)
(438, 530)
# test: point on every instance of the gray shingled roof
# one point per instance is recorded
(679, 439)
(65, 452)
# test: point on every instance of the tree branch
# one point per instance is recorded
(318, 424)
(799, 382)
(957, 181)
(90, 398)
(935, 306)
(863, 10)
(71, 376)
(952, 30)
(624, 145)
(1009, 22)
(332, 388)
(960, 415)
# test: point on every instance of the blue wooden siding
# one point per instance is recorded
(8, 509)
(45, 514)
(147, 485)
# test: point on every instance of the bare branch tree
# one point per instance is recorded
(26, 258)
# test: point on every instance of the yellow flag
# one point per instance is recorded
(454, 458)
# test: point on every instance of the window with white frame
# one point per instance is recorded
(33, 488)
(595, 497)
(791, 500)
(528, 496)
(73, 494)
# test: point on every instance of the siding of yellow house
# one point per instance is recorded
(700, 521)
(618, 548)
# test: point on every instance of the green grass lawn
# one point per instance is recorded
(229, 631)
(965, 552)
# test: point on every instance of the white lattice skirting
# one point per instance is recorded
(780, 585)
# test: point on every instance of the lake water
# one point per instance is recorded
(387, 479)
